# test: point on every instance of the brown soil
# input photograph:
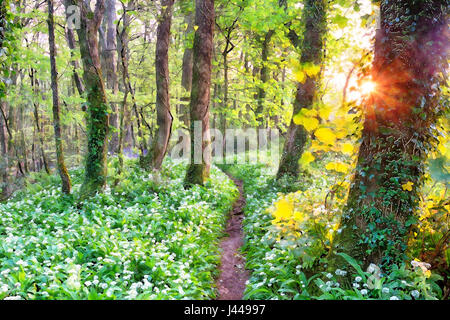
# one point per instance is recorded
(232, 278)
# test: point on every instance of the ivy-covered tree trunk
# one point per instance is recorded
(197, 173)
(96, 166)
(411, 52)
(163, 115)
(63, 173)
(314, 14)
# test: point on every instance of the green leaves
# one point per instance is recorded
(351, 262)
(340, 20)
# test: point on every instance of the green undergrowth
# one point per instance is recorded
(145, 238)
(273, 269)
(296, 267)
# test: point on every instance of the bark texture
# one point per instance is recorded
(314, 15)
(63, 173)
(411, 52)
(186, 76)
(163, 115)
(110, 57)
(197, 173)
(98, 119)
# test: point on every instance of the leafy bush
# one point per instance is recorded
(288, 237)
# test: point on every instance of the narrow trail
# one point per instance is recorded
(233, 276)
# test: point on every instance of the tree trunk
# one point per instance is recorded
(314, 15)
(23, 147)
(124, 56)
(8, 125)
(96, 165)
(110, 55)
(75, 65)
(163, 115)
(411, 52)
(186, 76)
(197, 173)
(224, 107)
(63, 173)
(4, 165)
(122, 114)
(264, 77)
(36, 119)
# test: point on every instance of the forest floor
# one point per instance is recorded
(233, 276)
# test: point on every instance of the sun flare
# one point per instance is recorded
(367, 87)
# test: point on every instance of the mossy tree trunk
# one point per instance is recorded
(163, 115)
(98, 119)
(63, 173)
(197, 173)
(411, 51)
(314, 14)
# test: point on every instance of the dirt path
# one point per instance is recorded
(232, 278)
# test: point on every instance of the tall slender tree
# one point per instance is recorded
(70, 37)
(124, 52)
(198, 170)
(98, 118)
(188, 60)
(63, 173)
(264, 77)
(110, 55)
(3, 123)
(312, 46)
(34, 85)
(163, 115)
(411, 52)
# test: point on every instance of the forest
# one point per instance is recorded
(224, 150)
